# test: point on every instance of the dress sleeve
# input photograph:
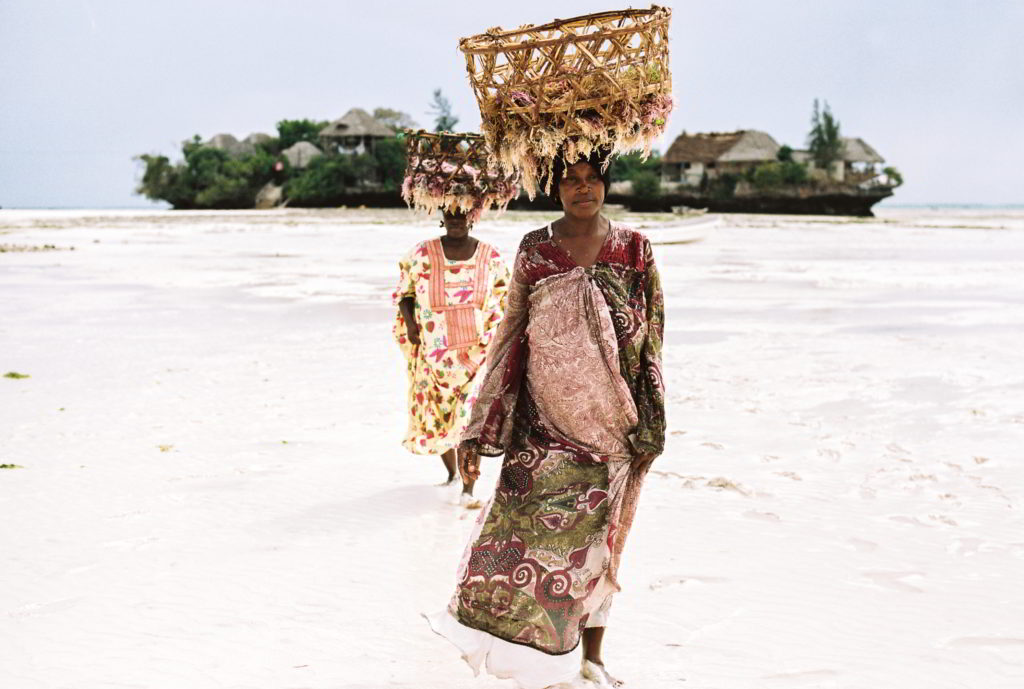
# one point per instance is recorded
(408, 269)
(494, 410)
(650, 431)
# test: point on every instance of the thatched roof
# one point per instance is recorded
(300, 153)
(856, 150)
(257, 138)
(356, 122)
(224, 142)
(232, 146)
(746, 145)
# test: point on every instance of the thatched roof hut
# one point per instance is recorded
(258, 138)
(747, 145)
(224, 142)
(355, 131)
(856, 150)
(301, 153)
(692, 157)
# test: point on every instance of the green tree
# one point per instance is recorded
(162, 181)
(794, 172)
(646, 184)
(894, 175)
(441, 108)
(777, 174)
(290, 132)
(785, 153)
(396, 119)
(768, 175)
(824, 140)
(389, 158)
(627, 166)
(721, 187)
(208, 177)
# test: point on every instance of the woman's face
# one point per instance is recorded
(581, 191)
(456, 224)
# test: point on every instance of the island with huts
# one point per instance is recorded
(359, 159)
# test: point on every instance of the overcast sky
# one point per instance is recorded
(936, 86)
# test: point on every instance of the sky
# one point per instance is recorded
(936, 86)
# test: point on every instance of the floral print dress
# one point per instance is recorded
(573, 393)
(458, 305)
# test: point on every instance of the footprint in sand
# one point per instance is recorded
(893, 580)
(715, 446)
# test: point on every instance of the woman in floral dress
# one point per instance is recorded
(450, 299)
(573, 398)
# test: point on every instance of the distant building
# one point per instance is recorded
(858, 164)
(354, 132)
(692, 156)
(301, 153)
(236, 148)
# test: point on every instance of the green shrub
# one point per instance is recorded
(389, 159)
(723, 186)
(626, 167)
(290, 132)
(646, 184)
(776, 174)
(894, 175)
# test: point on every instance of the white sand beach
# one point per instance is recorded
(212, 494)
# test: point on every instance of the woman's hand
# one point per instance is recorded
(412, 331)
(407, 307)
(469, 461)
(641, 463)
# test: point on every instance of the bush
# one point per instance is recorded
(723, 186)
(208, 178)
(777, 174)
(389, 159)
(894, 175)
(794, 173)
(290, 132)
(626, 167)
(646, 185)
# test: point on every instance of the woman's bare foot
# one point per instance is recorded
(596, 673)
(469, 502)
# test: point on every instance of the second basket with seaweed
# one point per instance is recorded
(449, 171)
(572, 86)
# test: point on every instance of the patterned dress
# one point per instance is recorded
(573, 392)
(458, 305)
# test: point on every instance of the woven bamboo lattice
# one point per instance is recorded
(599, 81)
(452, 172)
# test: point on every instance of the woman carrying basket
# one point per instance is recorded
(451, 291)
(573, 399)
(450, 299)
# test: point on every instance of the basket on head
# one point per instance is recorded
(599, 81)
(452, 172)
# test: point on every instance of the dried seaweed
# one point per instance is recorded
(452, 172)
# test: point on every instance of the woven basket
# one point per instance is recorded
(453, 172)
(600, 81)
